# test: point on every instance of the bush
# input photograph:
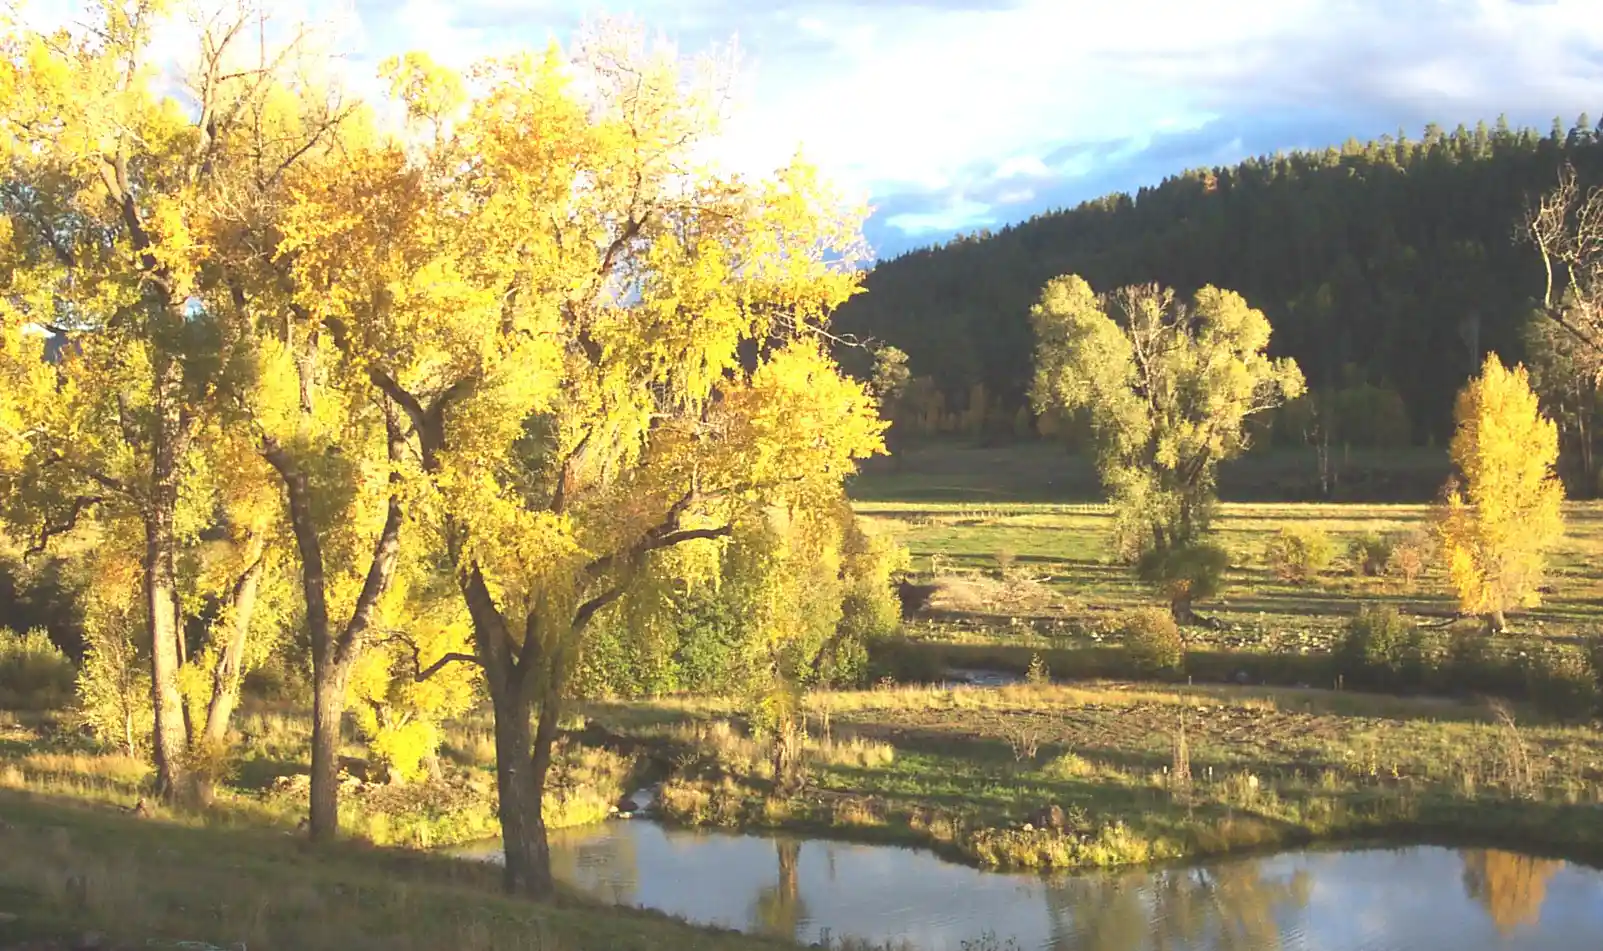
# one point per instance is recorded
(900, 659)
(1186, 574)
(842, 664)
(1410, 554)
(34, 673)
(1371, 554)
(1299, 553)
(1380, 647)
(1562, 684)
(1473, 664)
(1152, 639)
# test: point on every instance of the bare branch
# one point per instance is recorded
(48, 531)
(424, 673)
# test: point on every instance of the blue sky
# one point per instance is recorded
(953, 115)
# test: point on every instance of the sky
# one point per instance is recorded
(956, 115)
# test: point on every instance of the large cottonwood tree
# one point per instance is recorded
(602, 349)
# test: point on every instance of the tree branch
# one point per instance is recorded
(424, 673)
(685, 535)
(47, 531)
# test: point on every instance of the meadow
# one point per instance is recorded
(1014, 579)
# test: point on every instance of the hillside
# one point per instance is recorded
(1392, 263)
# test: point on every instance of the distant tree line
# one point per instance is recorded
(1388, 270)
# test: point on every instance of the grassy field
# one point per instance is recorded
(1014, 569)
(1042, 471)
(974, 772)
(74, 858)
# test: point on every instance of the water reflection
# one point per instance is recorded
(1232, 907)
(1508, 885)
(1415, 899)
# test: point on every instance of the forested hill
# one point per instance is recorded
(1392, 262)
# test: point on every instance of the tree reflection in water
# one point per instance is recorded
(1225, 908)
(779, 907)
(1509, 886)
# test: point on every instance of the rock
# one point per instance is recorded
(89, 941)
(7, 918)
(1028, 827)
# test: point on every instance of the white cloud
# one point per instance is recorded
(969, 101)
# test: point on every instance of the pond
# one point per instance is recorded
(1360, 899)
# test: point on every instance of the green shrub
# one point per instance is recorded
(1299, 553)
(903, 660)
(1037, 675)
(1185, 574)
(1473, 664)
(34, 673)
(843, 663)
(1381, 648)
(1562, 683)
(1371, 554)
(1152, 639)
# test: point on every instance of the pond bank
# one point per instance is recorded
(1058, 777)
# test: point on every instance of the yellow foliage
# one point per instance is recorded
(398, 715)
(1497, 526)
(623, 342)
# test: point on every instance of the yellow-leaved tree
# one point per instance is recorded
(603, 349)
(1502, 511)
(122, 230)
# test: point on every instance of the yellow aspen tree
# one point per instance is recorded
(1503, 510)
(603, 349)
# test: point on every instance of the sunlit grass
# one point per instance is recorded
(970, 769)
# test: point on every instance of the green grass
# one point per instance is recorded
(1042, 471)
(1059, 568)
(68, 867)
(966, 770)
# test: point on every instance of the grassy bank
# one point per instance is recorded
(71, 867)
(975, 773)
(265, 785)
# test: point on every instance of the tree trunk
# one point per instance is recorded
(226, 678)
(161, 618)
(522, 759)
(328, 710)
(332, 657)
(1496, 620)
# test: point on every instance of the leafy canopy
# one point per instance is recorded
(1167, 386)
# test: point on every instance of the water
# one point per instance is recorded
(975, 677)
(1408, 899)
